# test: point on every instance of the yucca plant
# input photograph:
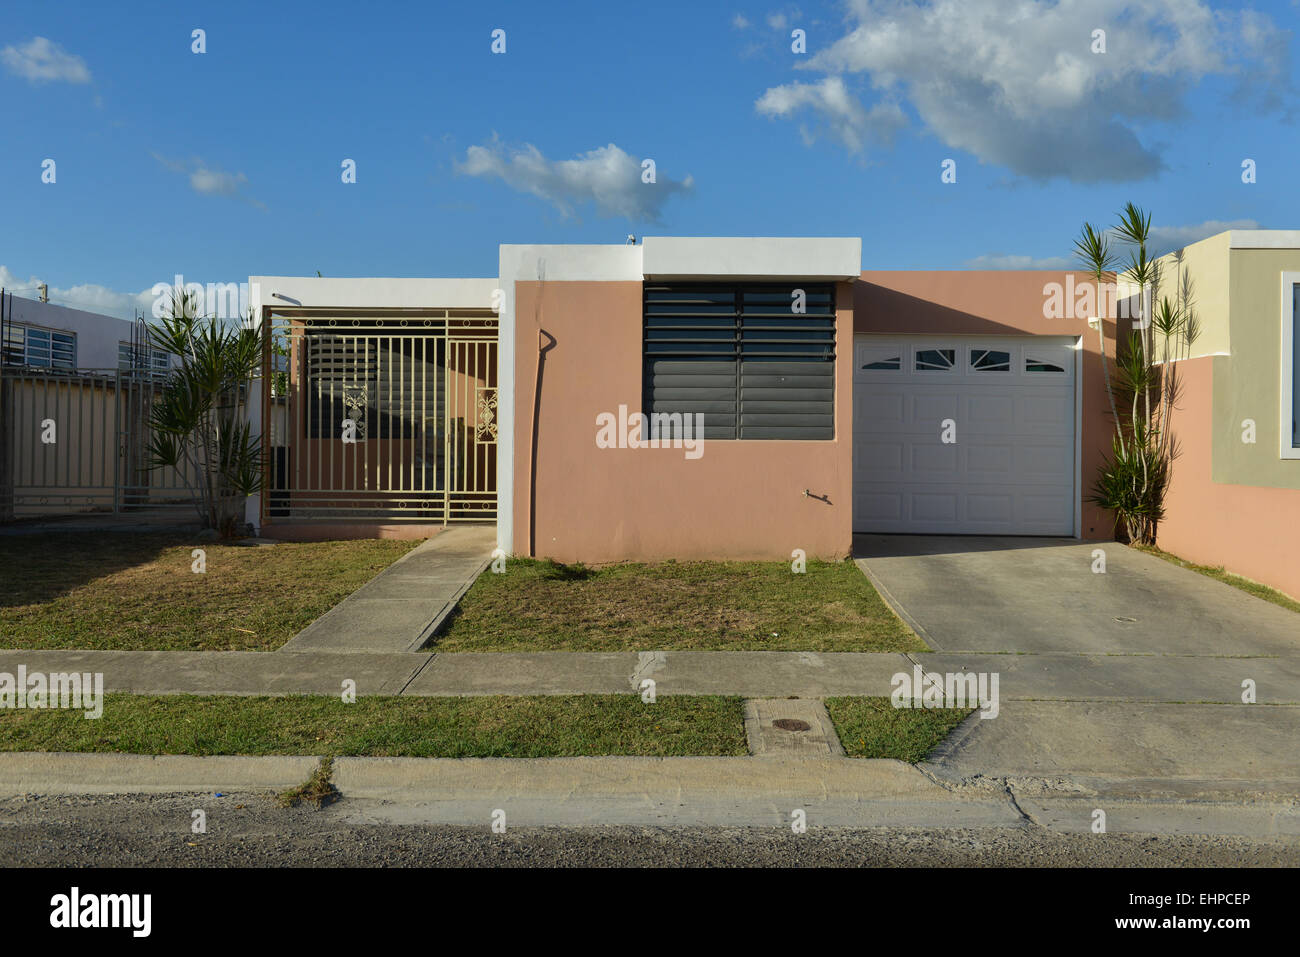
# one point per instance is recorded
(1133, 481)
(200, 421)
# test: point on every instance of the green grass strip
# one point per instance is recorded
(874, 728)
(479, 727)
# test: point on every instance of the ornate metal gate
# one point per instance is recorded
(380, 415)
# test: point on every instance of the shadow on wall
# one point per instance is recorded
(881, 309)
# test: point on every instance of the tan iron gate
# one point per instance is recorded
(77, 440)
(380, 415)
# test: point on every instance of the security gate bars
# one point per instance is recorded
(380, 415)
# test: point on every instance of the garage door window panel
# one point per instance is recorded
(936, 360)
(1042, 365)
(990, 360)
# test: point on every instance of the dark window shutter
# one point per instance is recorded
(740, 355)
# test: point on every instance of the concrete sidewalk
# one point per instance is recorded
(750, 674)
(403, 606)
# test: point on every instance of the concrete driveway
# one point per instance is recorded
(1041, 596)
(1127, 681)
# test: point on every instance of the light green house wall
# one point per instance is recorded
(1237, 296)
(1248, 383)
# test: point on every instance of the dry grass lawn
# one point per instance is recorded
(122, 591)
(715, 606)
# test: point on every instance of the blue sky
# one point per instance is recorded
(227, 163)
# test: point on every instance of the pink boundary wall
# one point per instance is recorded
(1249, 530)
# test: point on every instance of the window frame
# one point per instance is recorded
(158, 362)
(54, 353)
(1289, 370)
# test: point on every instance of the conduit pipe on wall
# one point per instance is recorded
(534, 422)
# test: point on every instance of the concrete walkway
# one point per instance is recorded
(748, 674)
(403, 606)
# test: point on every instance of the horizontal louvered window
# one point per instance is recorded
(757, 360)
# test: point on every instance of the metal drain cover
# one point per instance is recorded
(791, 724)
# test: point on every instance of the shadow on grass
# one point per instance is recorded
(40, 568)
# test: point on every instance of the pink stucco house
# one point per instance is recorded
(739, 398)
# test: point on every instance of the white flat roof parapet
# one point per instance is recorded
(567, 263)
(711, 257)
(1264, 239)
(313, 291)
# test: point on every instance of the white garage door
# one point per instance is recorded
(959, 435)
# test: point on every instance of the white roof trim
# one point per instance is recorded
(757, 257)
(1264, 239)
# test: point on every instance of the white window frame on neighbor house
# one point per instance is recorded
(156, 361)
(1288, 439)
(36, 355)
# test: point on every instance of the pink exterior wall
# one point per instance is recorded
(993, 303)
(1247, 529)
(740, 499)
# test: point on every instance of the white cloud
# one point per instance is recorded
(216, 182)
(1166, 238)
(42, 61)
(740, 22)
(838, 110)
(210, 181)
(1017, 84)
(88, 296)
(1163, 239)
(606, 177)
(781, 19)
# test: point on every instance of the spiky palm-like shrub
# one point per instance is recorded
(200, 420)
(1133, 481)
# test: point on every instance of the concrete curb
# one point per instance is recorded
(603, 791)
(61, 772)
